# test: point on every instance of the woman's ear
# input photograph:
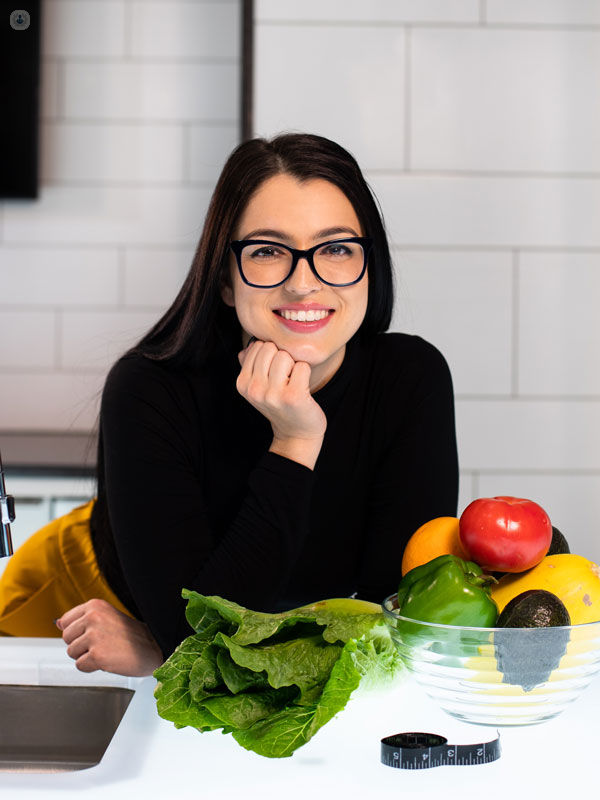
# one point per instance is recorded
(226, 289)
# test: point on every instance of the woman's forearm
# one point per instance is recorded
(304, 451)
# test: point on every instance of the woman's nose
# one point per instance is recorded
(303, 280)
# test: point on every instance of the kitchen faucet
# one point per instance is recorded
(7, 515)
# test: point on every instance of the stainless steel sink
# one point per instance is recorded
(57, 728)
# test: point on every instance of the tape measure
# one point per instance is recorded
(416, 750)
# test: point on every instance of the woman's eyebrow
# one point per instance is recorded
(335, 231)
(260, 233)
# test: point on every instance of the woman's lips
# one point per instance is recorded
(304, 325)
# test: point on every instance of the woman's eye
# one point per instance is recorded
(265, 252)
(336, 250)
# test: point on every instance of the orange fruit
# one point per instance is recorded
(438, 537)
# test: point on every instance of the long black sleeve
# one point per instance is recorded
(196, 501)
(160, 512)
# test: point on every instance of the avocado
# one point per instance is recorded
(527, 657)
(559, 544)
(535, 608)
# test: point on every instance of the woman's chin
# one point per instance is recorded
(299, 352)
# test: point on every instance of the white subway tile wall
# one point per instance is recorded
(563, 290)
(462, 303)
(50, 400)
(139, 110)
(347, 85)
(93, 340)
(207, 146)
(125, 153)
(477, 125)
(476, 122)
(544, 12)
(58, 276)
(153, 91)
(526, 108)
(185, 30)
(94, 28)
(505, 211)
(168, 268)
(31, 337)
(109, 213)
(373, 11)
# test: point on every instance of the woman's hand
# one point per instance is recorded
(279, 388)
(101, 637)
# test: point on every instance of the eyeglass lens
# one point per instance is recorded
(334, 262)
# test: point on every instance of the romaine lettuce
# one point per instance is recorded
(272, 680)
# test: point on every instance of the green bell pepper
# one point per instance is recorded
(448, 591)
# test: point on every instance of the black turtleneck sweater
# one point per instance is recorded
(196, 501)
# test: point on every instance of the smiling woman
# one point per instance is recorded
(265, 441)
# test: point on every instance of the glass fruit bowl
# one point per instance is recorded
(497, 676)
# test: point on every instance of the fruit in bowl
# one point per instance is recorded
(508, 650)
(571, 577)
(497, 676)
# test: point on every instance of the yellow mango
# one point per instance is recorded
(572, 578)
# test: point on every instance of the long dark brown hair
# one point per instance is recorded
(198, 323)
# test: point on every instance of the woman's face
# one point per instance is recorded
(301, 215)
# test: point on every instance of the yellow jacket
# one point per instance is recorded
(53, 571)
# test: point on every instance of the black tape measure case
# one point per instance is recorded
(416, 750)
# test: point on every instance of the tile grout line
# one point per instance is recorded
(474, 24)
(383, 172)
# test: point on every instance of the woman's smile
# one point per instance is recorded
(304, 317)
(309, 319)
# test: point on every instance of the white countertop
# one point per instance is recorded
(148, 757)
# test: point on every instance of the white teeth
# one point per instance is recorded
(305, 316)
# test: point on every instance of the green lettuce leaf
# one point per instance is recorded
(340, 619)
(305, 663)
(279, 735)
(273, 680)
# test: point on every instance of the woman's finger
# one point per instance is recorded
(300, 376)
(264, 359)
(78, 647)
(281, 368)
(243, 353)
(73, 631)
(248, 356)
(69, 616)
(86, 663)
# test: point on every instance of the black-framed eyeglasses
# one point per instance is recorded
(264, 264)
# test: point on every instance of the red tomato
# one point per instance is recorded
(505, 534)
